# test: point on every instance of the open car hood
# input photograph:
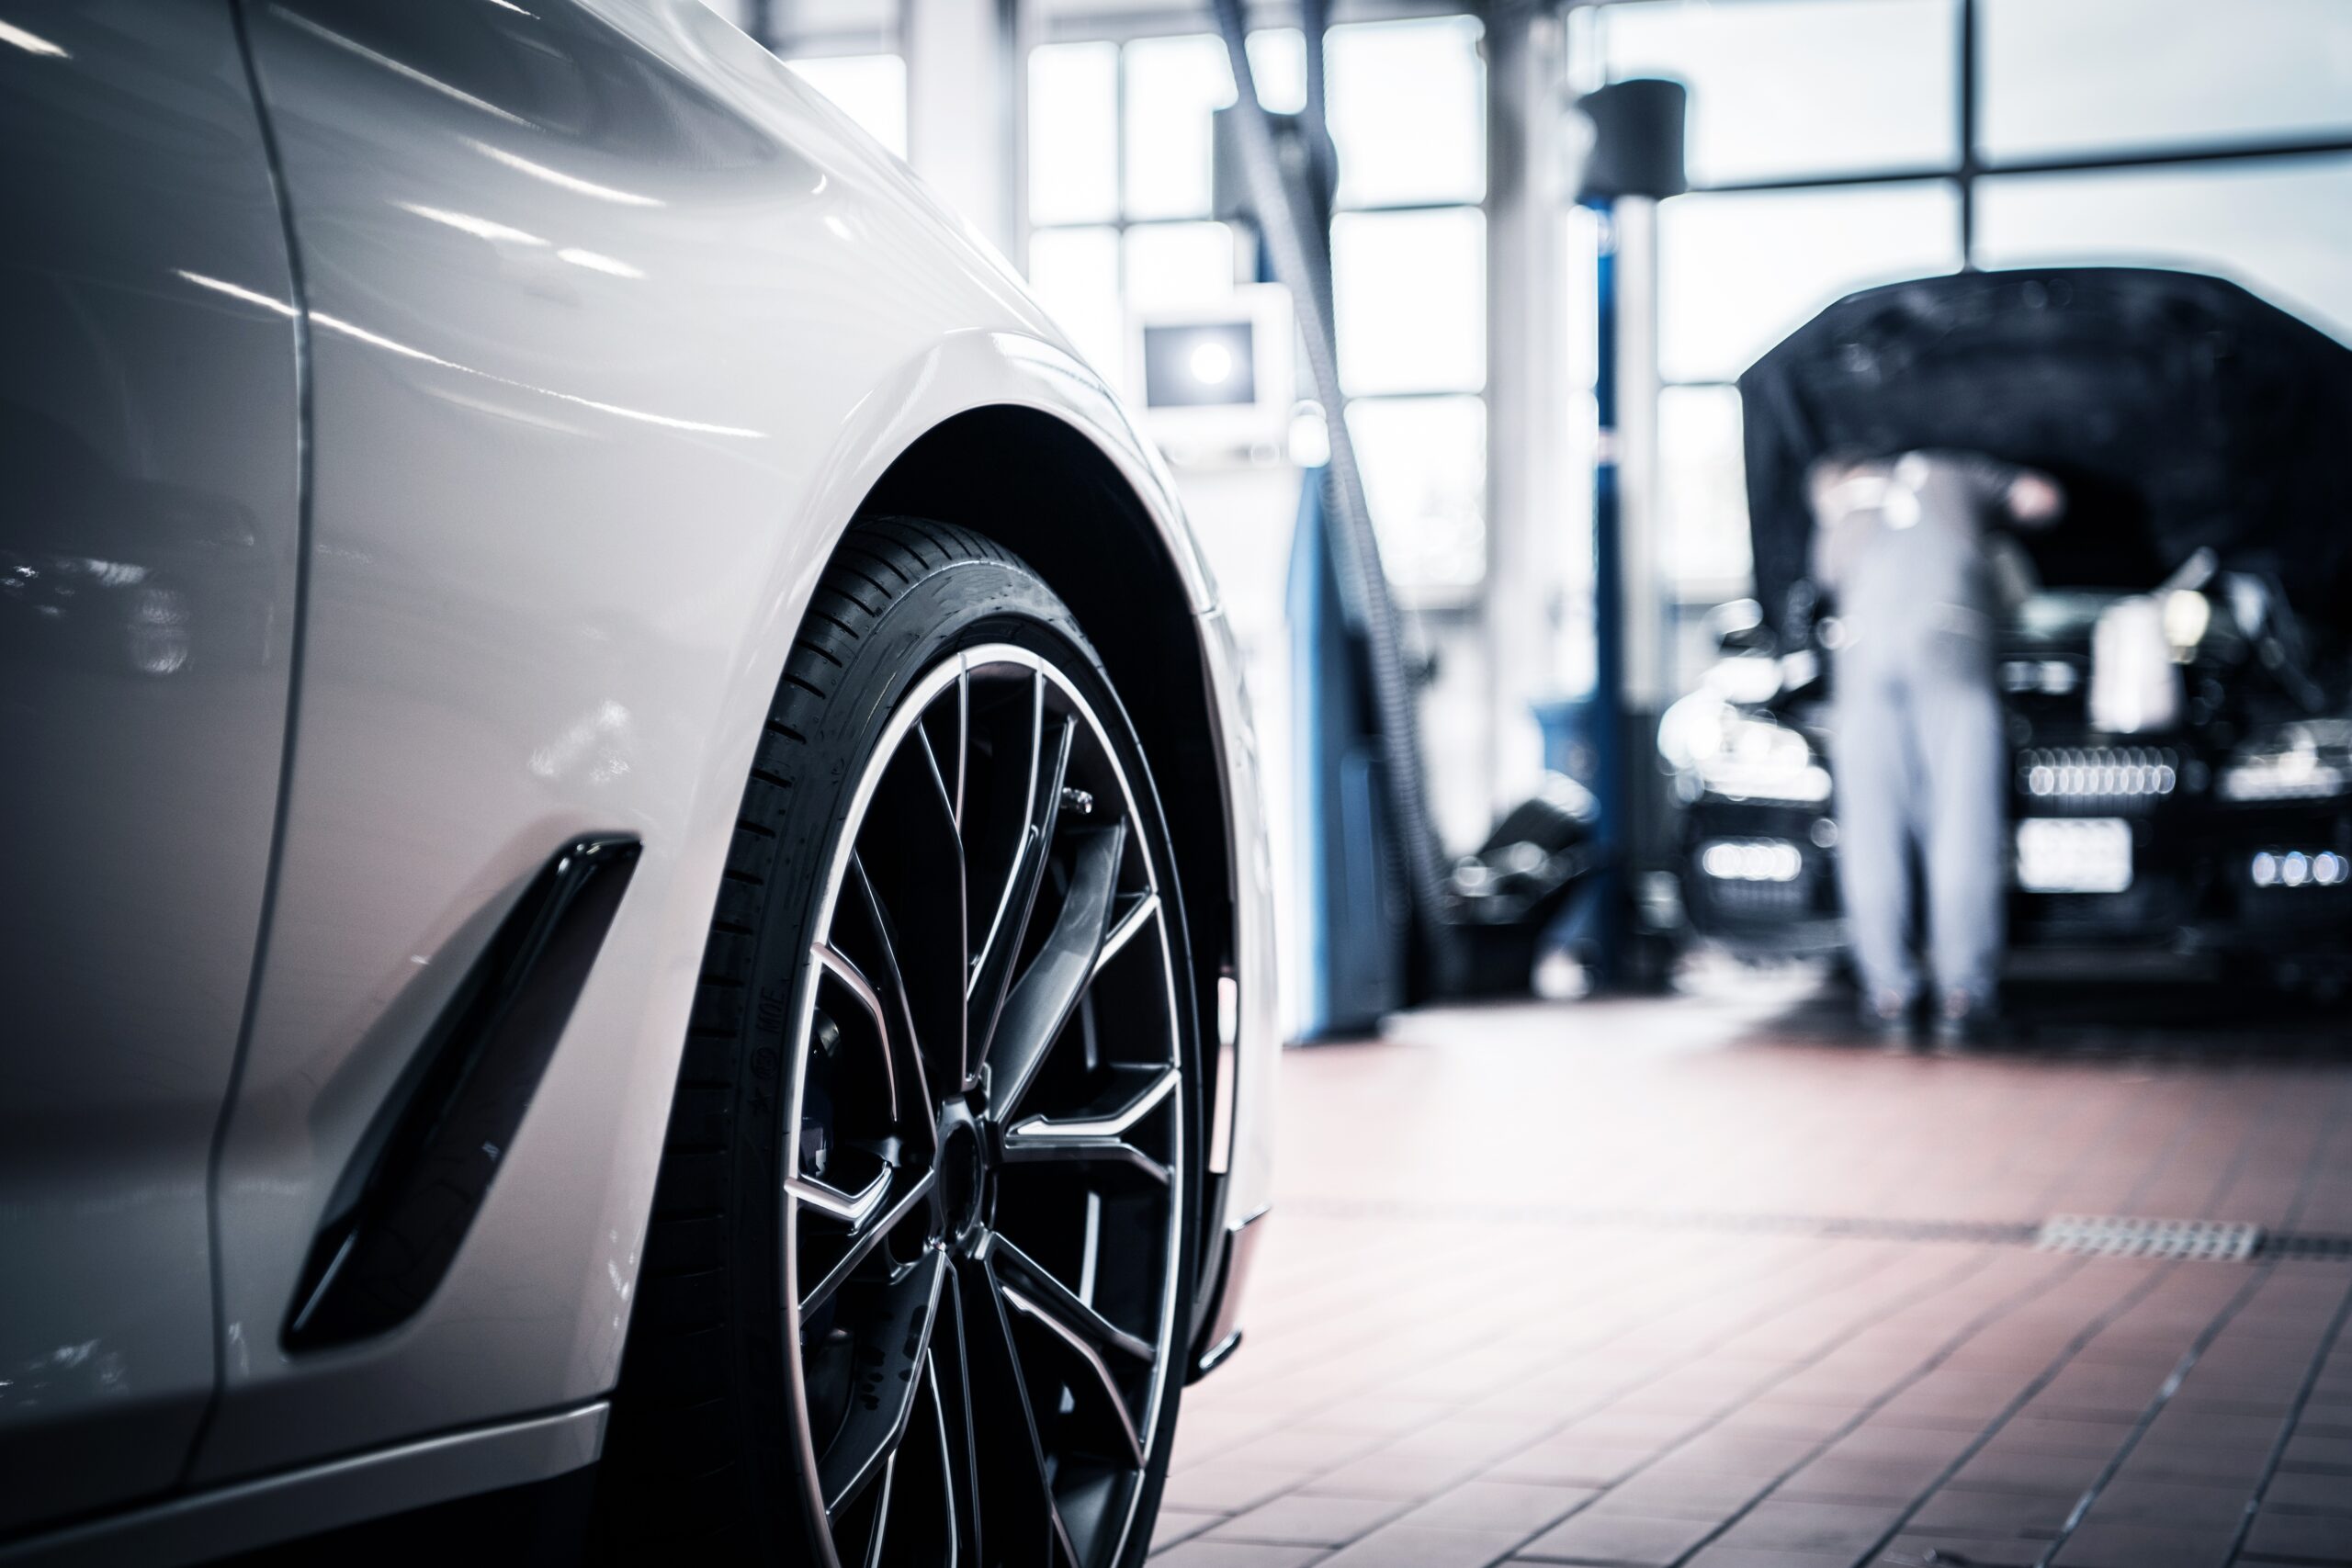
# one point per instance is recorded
(2180, 411)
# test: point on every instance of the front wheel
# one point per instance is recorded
(925, 1222)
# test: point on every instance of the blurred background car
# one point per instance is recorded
(2177, 681)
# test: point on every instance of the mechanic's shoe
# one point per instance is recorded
(1889, 1016)
(1963, 1023)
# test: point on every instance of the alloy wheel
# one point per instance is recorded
(984, 1164)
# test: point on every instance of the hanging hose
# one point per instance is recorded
(1303, 267)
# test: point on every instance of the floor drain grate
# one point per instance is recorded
(2117, 1236)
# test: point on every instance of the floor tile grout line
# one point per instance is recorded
(2024, 1396)
(1469, 1247)
(1331, 1352)
(1755, 1320)
(2284, 1092)
(2200, 1108)
(2059, 1111)
(1951, 1347)
(1840, 1227)
(2312, 1167)
(2154, 1407)
(2294, 1416)
(1633, 1289)
(2127, 1110)
(1910, 1299)
(1796, 1258)
(2274, 1243)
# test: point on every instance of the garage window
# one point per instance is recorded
(1119, 198)
(2088, 76)
(2283, 227)
(1835, 145)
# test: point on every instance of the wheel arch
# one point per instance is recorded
(1043, 489)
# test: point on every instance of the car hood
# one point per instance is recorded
(2179, 410)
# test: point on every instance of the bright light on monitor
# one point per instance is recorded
(1189, 365)
(1217, 378)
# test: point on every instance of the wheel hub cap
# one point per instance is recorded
(962, 1177)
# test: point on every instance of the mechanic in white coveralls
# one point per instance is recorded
(1909, 548)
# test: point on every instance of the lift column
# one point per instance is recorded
(1633, 159)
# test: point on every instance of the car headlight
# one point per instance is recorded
(2312, 761)
(1740, 756)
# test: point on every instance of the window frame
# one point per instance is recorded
(1122, 29)
(1973, 165)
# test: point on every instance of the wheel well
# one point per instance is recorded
(1046, 492)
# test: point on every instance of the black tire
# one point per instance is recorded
(706, 1450)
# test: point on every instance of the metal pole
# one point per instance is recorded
(1967, 111)
(1527, 405)
(1605, 712)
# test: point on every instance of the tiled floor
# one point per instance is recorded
(1698, 1281)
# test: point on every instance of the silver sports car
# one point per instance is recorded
(630, 861)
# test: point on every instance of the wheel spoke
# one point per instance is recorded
(1095, 1374)
(959, 1425)
(868, 1221)
(963, 735)
(1050, 1296)
(1049, 989)
(951, 792)
(911, 858)
(892, 983)
(854, 980)
(1145, 911)
(1019, 1522)
(1103, 1135)
(951, 1515)
(876, 1421)
(993, 975)
(882, 1512)
(856, 1210)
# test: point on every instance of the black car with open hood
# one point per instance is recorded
(2201, 437)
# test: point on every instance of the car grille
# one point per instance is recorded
(1745, 900)
(2112, 778)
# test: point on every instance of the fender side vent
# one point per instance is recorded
(420, 1174)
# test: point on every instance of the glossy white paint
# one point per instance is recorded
(613, 324)
(1258, 1027)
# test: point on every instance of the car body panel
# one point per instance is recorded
(1249, 1184)
(149, 551)
(609, 341)
(219, 1522)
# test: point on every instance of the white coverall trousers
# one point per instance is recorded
(1921, 764)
